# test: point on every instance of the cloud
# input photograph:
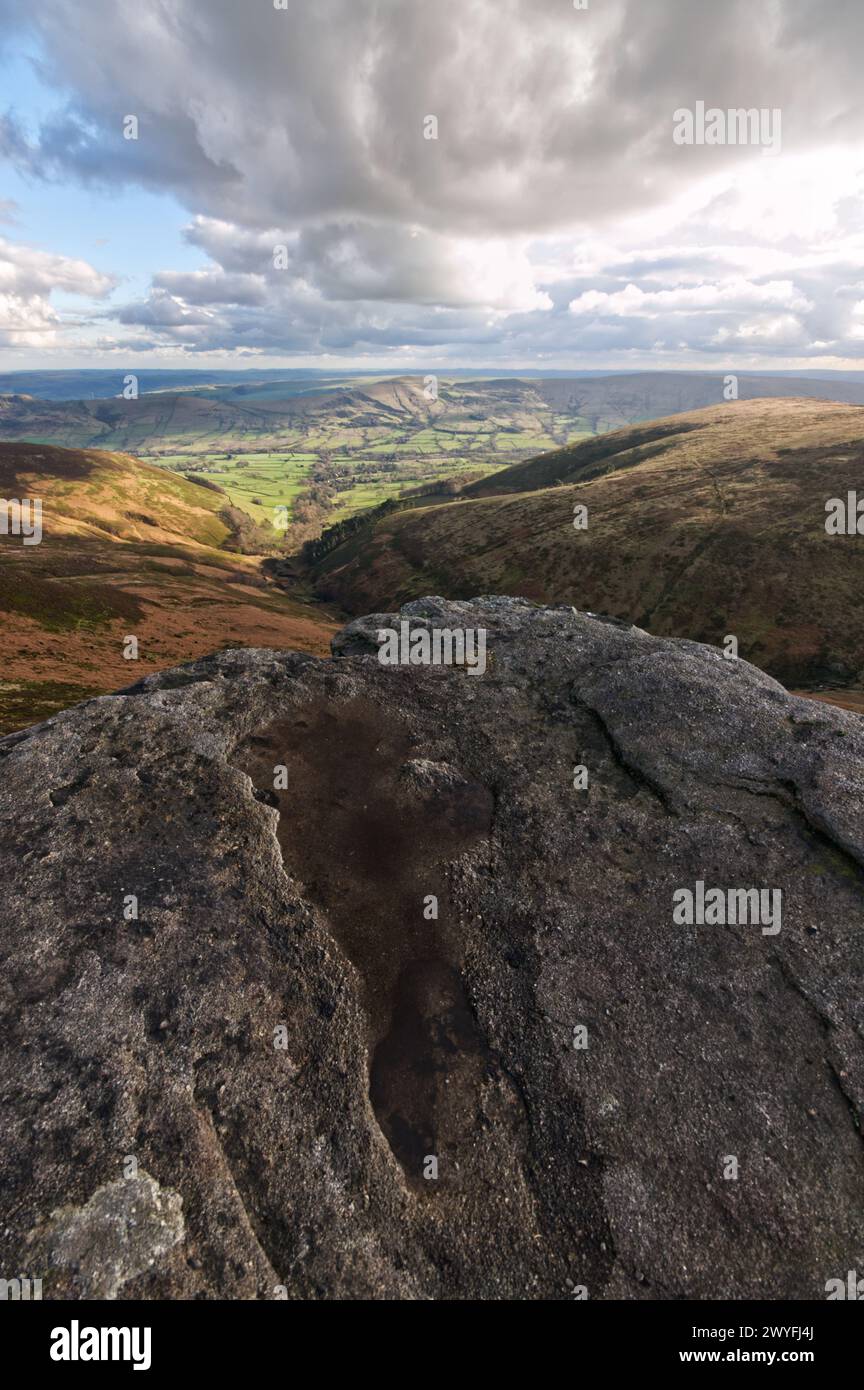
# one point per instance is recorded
(355, 261)
(554, 216)
(28, 278)
(716, 298)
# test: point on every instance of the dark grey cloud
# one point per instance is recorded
(547, 116)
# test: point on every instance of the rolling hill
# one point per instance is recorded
(128, 550)
(699, 525)
(203, 420)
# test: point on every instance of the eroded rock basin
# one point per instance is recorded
(370, 829)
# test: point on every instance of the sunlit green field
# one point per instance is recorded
(268, 481)
(256, 483)
(363, 495)
(366, 459)
(259, 483)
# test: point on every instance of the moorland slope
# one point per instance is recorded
(701, 525)
(127, 550)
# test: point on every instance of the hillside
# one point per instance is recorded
(110, 496)
(578, 1061)
(609, 402)
(700, 525)
(128, 549)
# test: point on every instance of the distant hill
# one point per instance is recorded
(102, 383)
(700, 525)
(518, 414)
(127, 549)
(606, 403)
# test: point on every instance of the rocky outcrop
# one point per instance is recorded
(329, 979)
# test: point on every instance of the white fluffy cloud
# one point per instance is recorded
(28, 278)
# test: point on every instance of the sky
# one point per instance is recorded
(396, 183)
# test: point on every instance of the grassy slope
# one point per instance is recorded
(108, 495)
(700, 525)
(128, 549)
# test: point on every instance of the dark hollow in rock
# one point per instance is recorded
(371, 845)
(232, 1093)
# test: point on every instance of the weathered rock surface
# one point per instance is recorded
(236, 1093)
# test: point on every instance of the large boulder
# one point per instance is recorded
(331, 979)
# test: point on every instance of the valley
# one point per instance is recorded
(342, 450)
(300, 453)
(354, 498)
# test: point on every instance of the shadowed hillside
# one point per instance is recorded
(127, 550)
(701, 525)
